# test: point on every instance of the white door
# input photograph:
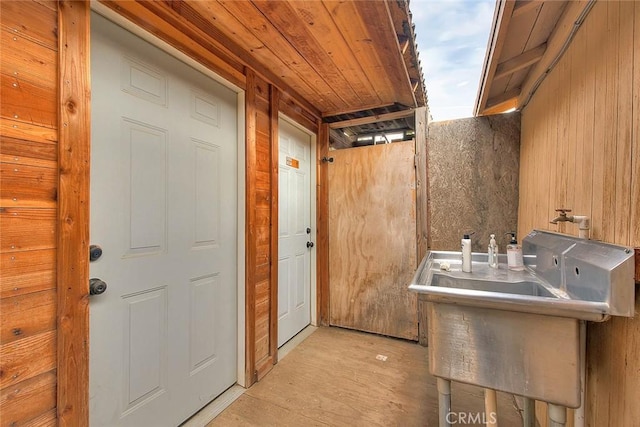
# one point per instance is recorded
(164, 211)
(294, 231)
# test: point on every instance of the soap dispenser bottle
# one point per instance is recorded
(514, 253)
(492, 252)
(466, 253)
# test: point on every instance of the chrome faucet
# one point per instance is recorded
(582, 221)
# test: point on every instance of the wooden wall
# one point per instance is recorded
(28, 214)
(581, 150)
(43, 212)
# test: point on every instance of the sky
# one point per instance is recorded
(452, 40)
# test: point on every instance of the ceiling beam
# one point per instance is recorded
(525, 6)
(502, 98)
(519, 62)
(372, 119)
(574, 14)
(509, 104)
(498, 35)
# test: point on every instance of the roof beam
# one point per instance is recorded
(372, 119)
(571, 19)
(519, 62)
(501, 19)
(502, 98)
(525, 6)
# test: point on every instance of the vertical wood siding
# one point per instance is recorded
(28, 202)
(581, 150)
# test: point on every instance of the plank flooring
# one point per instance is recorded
(338, 377)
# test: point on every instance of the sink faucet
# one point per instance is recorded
(581, 220)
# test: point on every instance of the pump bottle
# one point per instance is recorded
(466, 253)
(492, 252)
(514, 254)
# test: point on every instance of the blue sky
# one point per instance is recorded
(452, 39)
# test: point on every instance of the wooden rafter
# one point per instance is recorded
(521, 61)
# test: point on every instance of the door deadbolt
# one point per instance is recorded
(95, 252)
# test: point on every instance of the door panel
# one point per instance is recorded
(372, 239)
(164, 211)
(294, 212)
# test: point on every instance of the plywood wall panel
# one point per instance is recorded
(592, 100)
(27, 358)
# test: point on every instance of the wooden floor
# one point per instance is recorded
(338, 377)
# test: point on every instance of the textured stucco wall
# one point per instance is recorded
(473, 180)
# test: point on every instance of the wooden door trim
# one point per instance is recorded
(274, 120)
(250, 223)
(322, 225)
(73, 212)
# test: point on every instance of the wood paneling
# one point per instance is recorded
(18, 152)
(36, 21)
(26, 315)
(73, 213)
(26, 102)
(27, 229)
(27, 358)
(27, 271)
(372, 239)
(28, 202)
(580, 150)
(28, 186)
(28, 400)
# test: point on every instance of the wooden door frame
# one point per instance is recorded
(74, 151)
(276, 117)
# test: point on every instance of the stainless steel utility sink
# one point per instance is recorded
(519, 331)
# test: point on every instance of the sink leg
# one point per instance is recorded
(557, 415)
(529, 412)
(490, 408)
(444, 402)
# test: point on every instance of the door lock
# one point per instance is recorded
(309, 244)
(95, 252)
(97, 286)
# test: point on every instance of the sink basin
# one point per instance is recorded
(519, 331)
(525, 287)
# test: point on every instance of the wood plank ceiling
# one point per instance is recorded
(338, 56)
(526, 39)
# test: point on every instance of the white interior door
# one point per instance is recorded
(294, 231)
(164, 210)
